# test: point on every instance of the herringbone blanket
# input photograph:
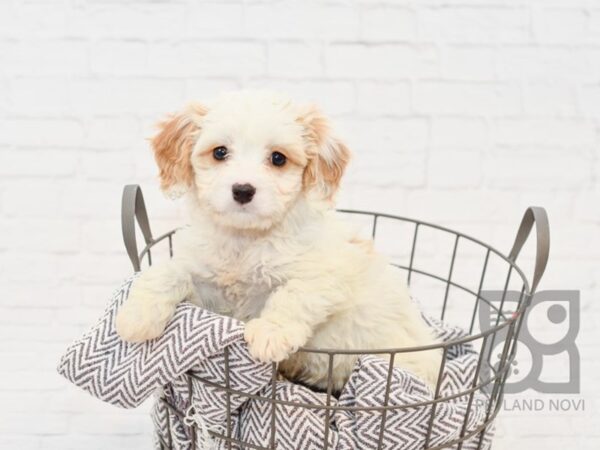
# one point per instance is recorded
(125, 374)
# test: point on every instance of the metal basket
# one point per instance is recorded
(490, 377)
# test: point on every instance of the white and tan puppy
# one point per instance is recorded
(265, 247)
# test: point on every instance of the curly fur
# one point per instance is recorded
(283, 262)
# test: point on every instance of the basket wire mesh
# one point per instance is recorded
(490, 377)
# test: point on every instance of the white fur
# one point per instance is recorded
(283, 263)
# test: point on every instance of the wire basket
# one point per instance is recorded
(471, 280)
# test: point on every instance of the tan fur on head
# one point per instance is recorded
(173, 149)
(328, 155)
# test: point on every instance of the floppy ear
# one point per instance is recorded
(173, 149)
(328, 156)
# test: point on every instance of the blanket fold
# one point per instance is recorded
(192, 349)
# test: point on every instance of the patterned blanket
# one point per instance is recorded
(125, 374)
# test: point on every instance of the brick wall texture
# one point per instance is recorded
(460, 112)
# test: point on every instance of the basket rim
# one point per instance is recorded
(396, 350)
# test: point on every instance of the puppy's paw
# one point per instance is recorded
(272, 342)
(142, 317)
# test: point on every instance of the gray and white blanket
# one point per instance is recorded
(125, 374)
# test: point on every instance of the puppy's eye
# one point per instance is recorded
(220, 153)
(278, 159)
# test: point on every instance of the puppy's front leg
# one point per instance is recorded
(288, 320)
(152, 301)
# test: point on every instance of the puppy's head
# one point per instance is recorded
(249, 157)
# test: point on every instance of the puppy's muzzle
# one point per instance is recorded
(243, 193)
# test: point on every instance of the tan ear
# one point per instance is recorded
(328, 156)
(173, 149)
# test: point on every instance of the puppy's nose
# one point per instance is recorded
(243, 193)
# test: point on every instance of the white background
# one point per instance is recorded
(462, 112)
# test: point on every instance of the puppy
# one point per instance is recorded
(264, 246)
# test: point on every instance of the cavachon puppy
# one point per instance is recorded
(264, 244)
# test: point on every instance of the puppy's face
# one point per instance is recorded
(249, 157)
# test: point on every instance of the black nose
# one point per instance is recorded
(243, 193)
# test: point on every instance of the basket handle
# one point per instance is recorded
(132, 208)
(538, 216)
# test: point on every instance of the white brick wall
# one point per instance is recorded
(462, 112)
